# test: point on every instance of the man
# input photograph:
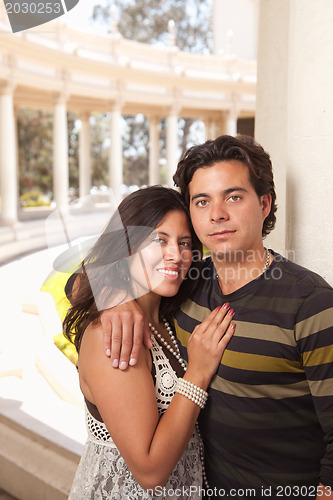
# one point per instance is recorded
(268, 424)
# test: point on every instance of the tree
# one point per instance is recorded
(34, 130)
(73, 151)
(146, 21)
(141, 20)
(99, 147)
(35, 150)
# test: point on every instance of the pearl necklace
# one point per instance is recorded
(176, 353)
(173, 349)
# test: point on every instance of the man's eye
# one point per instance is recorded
(235, 197)
(202, 203)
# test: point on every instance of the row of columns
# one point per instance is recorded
(9, 157)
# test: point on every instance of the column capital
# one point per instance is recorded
(154, 119)
(233, 113)
(84, 115)
(174, 109)
(61, 97)
(234, 110)
(7, 87)
(117, 103)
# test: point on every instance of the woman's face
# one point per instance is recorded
(162, 261)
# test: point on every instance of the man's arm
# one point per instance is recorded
(125, 329)
(314, 335)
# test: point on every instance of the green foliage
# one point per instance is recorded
(146, 21)
(34, 199)
(35, 150)
(35, 146)
(99, 147)
(141, 20)
(73, 150)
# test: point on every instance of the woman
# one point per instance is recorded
(141, 420)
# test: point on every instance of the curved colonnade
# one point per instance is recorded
(64, 69)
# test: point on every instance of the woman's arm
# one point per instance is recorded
(127, 403)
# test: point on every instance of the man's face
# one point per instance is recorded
(226, 213)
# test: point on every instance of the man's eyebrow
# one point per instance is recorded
(225, 192)
(232, 189)
(199, 195)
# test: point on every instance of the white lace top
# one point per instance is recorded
(102, 472)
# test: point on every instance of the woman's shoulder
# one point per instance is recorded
(92, 336)
(92, 348)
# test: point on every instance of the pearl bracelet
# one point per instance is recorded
(192, 392)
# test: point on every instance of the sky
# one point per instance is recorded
(80, 16)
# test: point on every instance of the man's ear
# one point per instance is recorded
(266, 203)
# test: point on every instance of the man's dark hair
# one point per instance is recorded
(226, 148)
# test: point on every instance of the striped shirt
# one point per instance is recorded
(268, 422)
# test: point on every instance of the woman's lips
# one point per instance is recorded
(170, 273)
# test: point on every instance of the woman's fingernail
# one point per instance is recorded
(218, 308)
(123, 365)
(233, 326)
(132, 361)
(231, 312)
(226, 305)
(115, 363)
(108, 352)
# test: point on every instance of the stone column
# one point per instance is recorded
(294, 119)
(210, 130)
(231, 122)
(84, 158)
(154, 174)
(8, 156)
(221, 124)
(116, 152)
(172, 145)
(60, 153)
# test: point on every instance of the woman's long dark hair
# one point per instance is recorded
(104, 272)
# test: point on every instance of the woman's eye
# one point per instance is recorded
(186, 244)
(159, 240)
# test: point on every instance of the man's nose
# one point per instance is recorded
(218, 212)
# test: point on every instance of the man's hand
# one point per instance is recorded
(125, 329)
